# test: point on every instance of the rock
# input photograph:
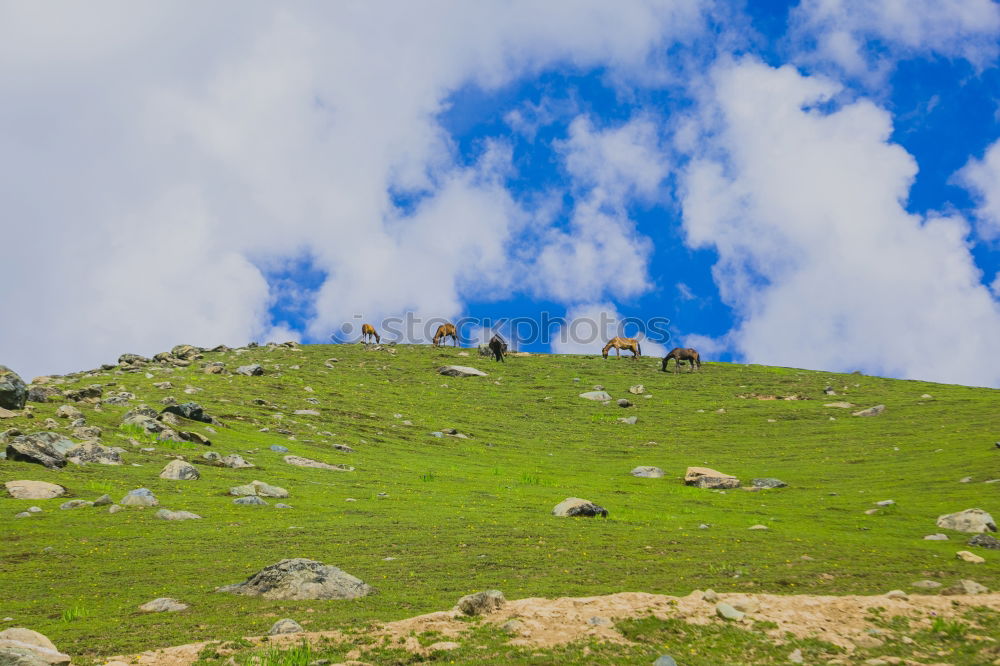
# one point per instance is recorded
(300, 578)
(746, 605)
(196, 438)
(710, 596)
(727, 612)
(68, 412)
(768, 482)
(75, 504)
(638, 389)
(186, 352)
(896, 594)
(460, 371)
(299, 461)
(163, 605)
(234, 461)
(251, 500)
(180, 470)
(871, 411)
(706, 477)
(758, 527)
(254, 370)
(795, 656)
(259, 489)
(482, 603)
(281, 505)
(132, 359)
(139, 497)
(841, 405)
(114, 508)
(628, 420)
(574, 506)
(42, 393)
(647, 472)
(885, 503)
(34, 449)
(24, 647)
(189, 410)
(23, 514)
(664, 660)
(971, 521)
(163, 386)
(598, 396)
(13, 390)
(925, 584)
(92, 452)
(965, 587)
(343, 448)
(167, 514)
(34, 490)
(285, 626)
(87, 432)
(985, 541)
(936, 537)
(623, 402)
(211, 455)
(279, 448)
(969, 557)
(306, 412)
(103, 500)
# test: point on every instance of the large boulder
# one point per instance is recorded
(41, 393)
(574, 506)
(972, 521)
(13, 390)
(140, 497)
(482, 603)
(460, 371)
(254, 370)
(597, 396)
(189, 410)
(90, 393)
(24, 647)
(185, 352)
(92, 452)
(706, 477)
(180, 470)
(33, 449)
(300, 578)
(34, 490)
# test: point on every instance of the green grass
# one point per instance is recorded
(462, 515)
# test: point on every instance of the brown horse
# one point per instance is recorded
(681, 354)
(368, 332)
(444, 332)
(631, 344)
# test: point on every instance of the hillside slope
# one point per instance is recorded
(437, 517)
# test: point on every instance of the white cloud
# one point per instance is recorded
(817, 255)
(982, 178)
(589, 326)
(864, 37)
(152, 157)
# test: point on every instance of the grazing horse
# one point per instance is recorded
(368, 332)
(681, 354)
(631, 344)
(444, 332)
(498, 346)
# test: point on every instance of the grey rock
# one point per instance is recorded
(13, 390)
(281, 505)
(574, 506)
(251, 500)
(705, 477)
(34, 509)
(211, 455)
(285, 626)
(598, 621)
(34, 449)
(768, 482)
(279, 448)
(664, 660)
(139, 497)
(597, 396)
(460, 371)
(638, 389)
(727, 612)
(298, 461)
(343, 448)
(24, 647)
(103, 500)
(623, 402)
(92, 452)
(75, 504)
(254, 370)
(972, 521)
(132, 359)
(936, 537)
(235, 461)
(965, 587)
(180, 470)
(925, 584)
(167, 514)
(647, 472)
(189, 410)
(871, 411)
(628, 420)
(32, 490)
(114, 508)
(163, 605)
(306, 412)
(23, 514)
(482, 603)
(40, 393)
(886, 503)
(87, 432)
(301, 578)
(985, 541)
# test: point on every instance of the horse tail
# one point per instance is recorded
(638, 349)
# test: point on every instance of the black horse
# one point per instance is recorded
(498, 346)
(681, 354)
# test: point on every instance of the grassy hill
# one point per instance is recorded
(440, 517)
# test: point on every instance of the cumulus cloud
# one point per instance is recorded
(864, 38)
(982, 178)
(147, 177)
(588, 327)
(817, 254)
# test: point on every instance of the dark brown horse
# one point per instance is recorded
(368, 332)
(681, 354)
(445, 331)
(498, 346)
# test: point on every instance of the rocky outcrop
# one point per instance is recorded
(481, 603)
(300, 578)
(972, 521)
(13, 390)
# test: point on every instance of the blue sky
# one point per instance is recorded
(810, 183)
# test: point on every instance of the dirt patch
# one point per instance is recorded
(543, 623)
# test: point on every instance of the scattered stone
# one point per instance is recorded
(163, 386)
(972, 521)
(925, 584)
(279, 448)
(969, 557)
(299, 461)
(167, 514)
(985, 541)
(259, 489)
(623, 402)
(285, 626)
(885, 503)
(343, 448)
(92, 452)
(24, 647)
(42, 393)
(965, 479)
(34, 509)
(936, 537)
(871, 411)
(254, 370)
(871, 512)
(795, 656)
(758, 527)
(841, 405)
(710, 596)
(281, 505)
(965, 587)
(306, 412)
(460, 371)
(234, 461)
(664, 660)
(34, 490)
(23, 514)
(896, 594)
(103, 500)
(768, 482)
(638, 389)
(13, 390)
(75, 504)
(212, 456)
(114, 508)
(705, 477)
(574, 506)
(180, 470)
(251, 500)
(163, 605)
(68, 412)
(597, 396)
(189, 410)
(87, 432)
(727, 612)
(300, 578)
(647, 472)
(139, 497)
(38, 450)
(746, 605)
(628, 420)
(482, 603)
